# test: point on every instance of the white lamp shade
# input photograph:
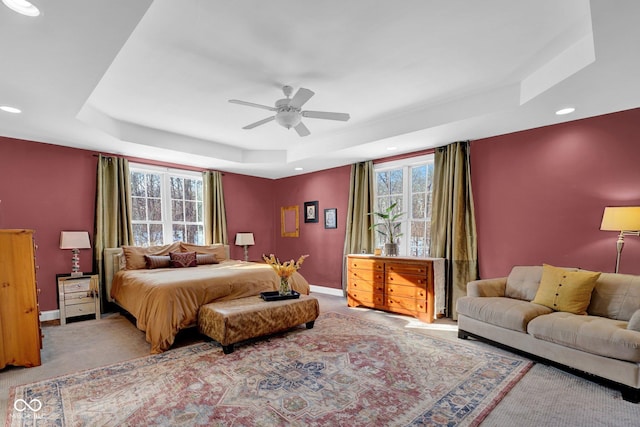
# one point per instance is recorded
(623, 218)
(243, 239)
(74, 240)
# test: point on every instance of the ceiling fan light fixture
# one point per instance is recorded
(288, 118)
(22, 7)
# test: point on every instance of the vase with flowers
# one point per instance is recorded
(284, 270)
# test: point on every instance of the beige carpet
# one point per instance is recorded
(545, 396)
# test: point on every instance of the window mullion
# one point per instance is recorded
(166, 208)
(406, 200)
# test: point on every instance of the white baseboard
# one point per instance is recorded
(49, 315)
(326, 290)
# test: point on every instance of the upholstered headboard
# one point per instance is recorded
(113, 260)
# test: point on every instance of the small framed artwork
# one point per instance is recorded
(331, 218)
(311, 211)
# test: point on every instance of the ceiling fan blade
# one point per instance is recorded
(302, 129)
(261, 122)
(251, 104)
(326, 115)
(301, 96)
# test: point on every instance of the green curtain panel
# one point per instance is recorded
(113, 209)
(359, 237)
(453, 225)
(215, 217)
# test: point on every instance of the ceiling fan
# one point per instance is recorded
(288, 111)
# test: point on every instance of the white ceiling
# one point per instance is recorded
(152, 79)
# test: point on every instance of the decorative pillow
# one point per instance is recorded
(564, 290)
(204, 259)
(134, 255)
(215, 249)
(183, 259)
(157, 261)
(634, 322)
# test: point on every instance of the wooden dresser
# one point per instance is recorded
(20, 335)
(406, 285)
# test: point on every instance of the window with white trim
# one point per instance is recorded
(167, 205)
(408, 182)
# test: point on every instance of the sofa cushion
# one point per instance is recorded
(507, 313)
(634, 322)
(564, 290)
(592, 334)
(616, 296)
(523, 282)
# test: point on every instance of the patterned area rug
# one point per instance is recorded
(345, 371)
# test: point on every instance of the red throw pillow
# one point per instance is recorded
(183, 259)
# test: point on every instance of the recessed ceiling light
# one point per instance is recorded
(298, 169)
(23, 7)
(392, 148)
(564, 111)
(8, 109)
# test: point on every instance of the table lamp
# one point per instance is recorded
(75, 240)
(246, 240)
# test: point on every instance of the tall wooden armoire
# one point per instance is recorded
(20, 335)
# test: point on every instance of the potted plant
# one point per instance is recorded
(389, 227)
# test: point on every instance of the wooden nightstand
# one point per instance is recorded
(78, 295)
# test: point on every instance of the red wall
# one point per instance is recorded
(324, 246)
(539, 197)
(250, 207)
(540, 194)
(48, 188)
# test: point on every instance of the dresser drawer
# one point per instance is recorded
(366, 286)
(408, 268)
(72, 298)
(80, 309)
(406, 304)
(399, 303)
(417, 293)
(366, 298)
(373, 276)
(77, 285)
(406, 279)
(366, 264)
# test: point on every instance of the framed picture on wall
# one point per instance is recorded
(331, 218)
(311, 211)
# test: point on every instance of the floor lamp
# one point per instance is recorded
(624, 219)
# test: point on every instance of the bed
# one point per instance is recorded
(165, 300)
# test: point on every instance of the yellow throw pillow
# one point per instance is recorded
(564, 290)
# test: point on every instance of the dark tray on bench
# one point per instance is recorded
(275, 296)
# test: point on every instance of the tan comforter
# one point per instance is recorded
(166, 300)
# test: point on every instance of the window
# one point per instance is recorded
(409, 183)
(166, 206)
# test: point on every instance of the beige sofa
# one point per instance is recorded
(604, 343)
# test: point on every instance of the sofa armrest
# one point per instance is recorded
(487, 287)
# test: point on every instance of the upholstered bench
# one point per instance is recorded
(230, 322)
